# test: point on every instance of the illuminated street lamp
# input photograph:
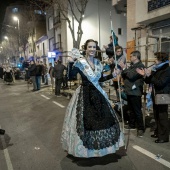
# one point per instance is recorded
(6, 37)
(17, 19)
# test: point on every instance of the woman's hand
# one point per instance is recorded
(104, 46)
(70, 59)
(116, 72)
(147, 72)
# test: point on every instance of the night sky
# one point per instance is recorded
(3, 5)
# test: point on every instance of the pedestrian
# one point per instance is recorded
(39, 71)
(109, 48)
(65, 78)
(45, 74)
(98, 52)
(2, 131)
(32, 73)
(58, 74)
(133, 84)
(120, 57)
(159, 80)
(1, 72)
(91, 128)
(51, 73)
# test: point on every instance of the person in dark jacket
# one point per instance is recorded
(43, 72)
(1, 72)
(39, 71)
(58, 74)
(159, 79)
(133, 83)
(109, 48)
(51, 74)
(98, 52)
(32, 73)
(2, 131)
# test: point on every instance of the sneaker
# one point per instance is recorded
(129, 128)
(140, 133)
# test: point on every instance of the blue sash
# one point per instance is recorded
(92, 76)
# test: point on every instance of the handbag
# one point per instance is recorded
(162, 99)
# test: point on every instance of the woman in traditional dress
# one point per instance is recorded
(91, 128)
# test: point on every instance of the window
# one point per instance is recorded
(156, 4)
(15, 10)
(50, 23)
(119, 31)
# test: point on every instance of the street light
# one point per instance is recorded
(17, 19)
(6, 37)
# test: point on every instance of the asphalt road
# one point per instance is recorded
(33, 123)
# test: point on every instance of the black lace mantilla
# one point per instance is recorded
(97, 124)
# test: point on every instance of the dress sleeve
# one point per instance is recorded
(105, 78)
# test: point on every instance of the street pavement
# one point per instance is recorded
(33, 123)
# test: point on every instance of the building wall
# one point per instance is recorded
(40, 29)
(39, 51)
(145, 17)
(138, 15)
(131, 19)
(50, 32)
(96, 24)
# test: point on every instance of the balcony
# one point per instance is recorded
(57, 46)
(39, 53)
(158, 11)
(156, 4)
(57, 21)
(120, 6)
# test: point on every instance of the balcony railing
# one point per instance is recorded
(58, 46)
(57, 20)
(156, 4)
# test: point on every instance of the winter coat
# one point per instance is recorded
(59, 70)
(39, 70)
(133, 82)
(160, 80)
(32, 70)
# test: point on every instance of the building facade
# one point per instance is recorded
(148, 25)
(96, 25)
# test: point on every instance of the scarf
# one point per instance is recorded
(156, 67)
